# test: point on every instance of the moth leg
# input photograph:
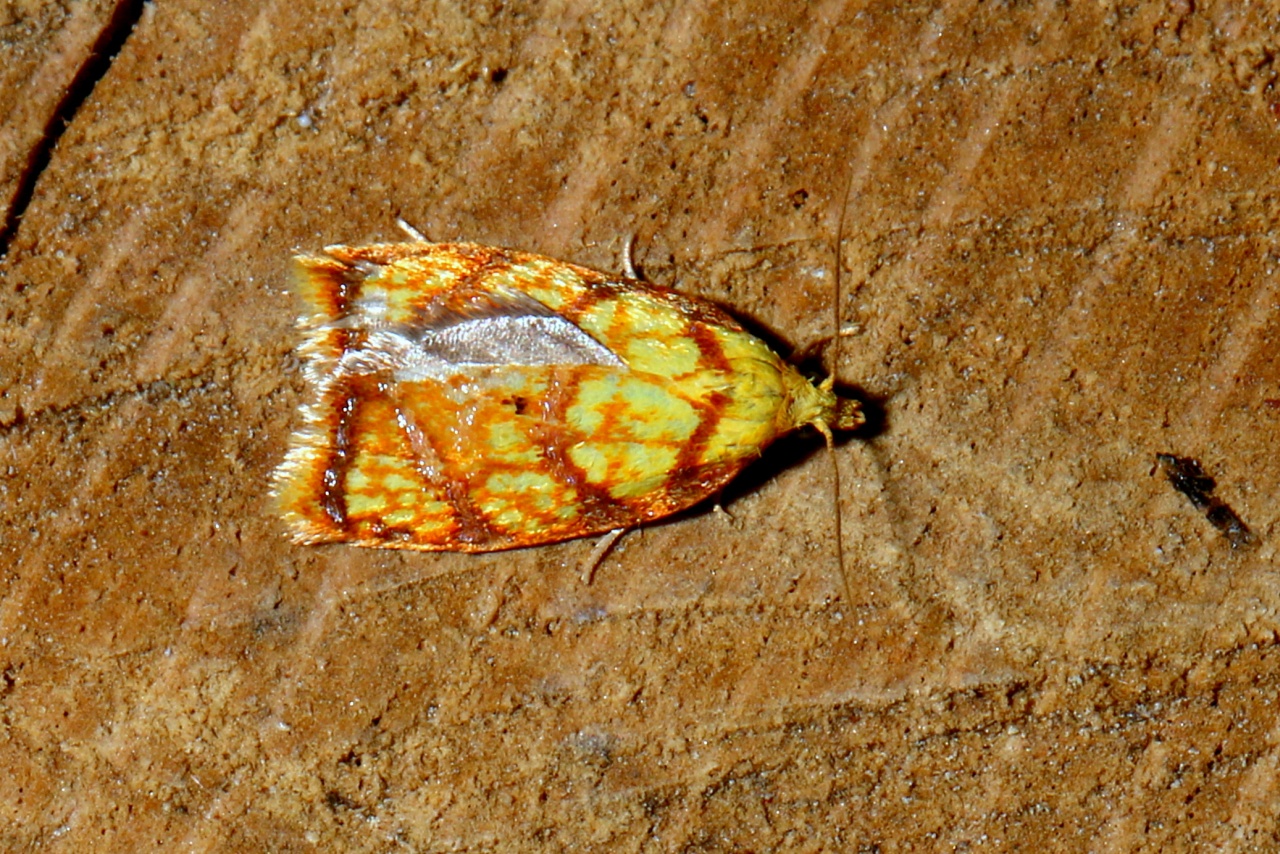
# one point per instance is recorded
(629, 259)
(602, 547)
(718, 509)
(817, 349)
(411, 231)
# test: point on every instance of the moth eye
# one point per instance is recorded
(520, 404)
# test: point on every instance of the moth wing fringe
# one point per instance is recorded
(321, 283)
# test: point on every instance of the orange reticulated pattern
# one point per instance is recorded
(489, 456)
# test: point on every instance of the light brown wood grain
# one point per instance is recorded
(1057, 228)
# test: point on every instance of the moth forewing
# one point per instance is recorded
(468, 398)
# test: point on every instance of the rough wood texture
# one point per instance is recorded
(1059, 258)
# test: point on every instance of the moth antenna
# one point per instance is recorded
(411, 231)
(835, 366)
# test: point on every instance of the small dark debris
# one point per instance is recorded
(337, 801)
(1186, 476)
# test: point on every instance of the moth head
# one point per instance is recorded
(819, 406)
(846, 413)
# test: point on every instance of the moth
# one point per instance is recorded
(469, 398)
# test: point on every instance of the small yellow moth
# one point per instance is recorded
(469, 398)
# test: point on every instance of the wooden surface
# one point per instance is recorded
(1057, 225)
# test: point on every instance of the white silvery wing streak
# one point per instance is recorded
(504, 328)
